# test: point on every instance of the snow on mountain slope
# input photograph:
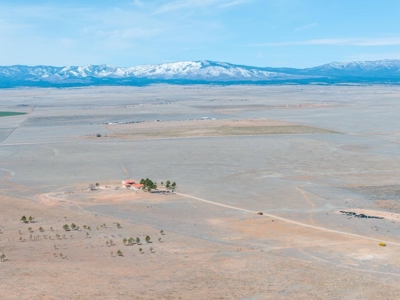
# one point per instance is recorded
(26, 71)
(202, 71)
(361, 68)
(366, 65)
(191, 70)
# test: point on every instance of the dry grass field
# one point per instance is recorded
(208, 128)
(263, 176)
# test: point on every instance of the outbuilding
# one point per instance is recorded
(130, 183)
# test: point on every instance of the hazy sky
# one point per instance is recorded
(291, 33)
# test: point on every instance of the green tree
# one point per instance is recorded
(119, 253)
(137, 240)
(173, 185)
(66, 227)
(24, 219)
(124, 241)
(3, 257)
(147, 239)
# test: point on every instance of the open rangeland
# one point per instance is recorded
(283, 192)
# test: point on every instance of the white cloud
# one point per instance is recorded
(233, 3)
(118, 34)
(195, 4)
(306, 27)
(361, 42)
(138, 3)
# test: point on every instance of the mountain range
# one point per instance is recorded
(200, 72)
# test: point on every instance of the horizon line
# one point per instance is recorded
(197, 61)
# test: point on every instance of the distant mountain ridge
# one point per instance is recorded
(192, 72)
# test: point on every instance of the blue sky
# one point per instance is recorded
(287, 33)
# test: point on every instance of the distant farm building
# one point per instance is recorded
(130, 183)
(136, 186)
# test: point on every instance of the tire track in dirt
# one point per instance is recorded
(290, 221)
(310, 216)
(49, 198)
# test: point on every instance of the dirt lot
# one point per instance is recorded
(298, 155)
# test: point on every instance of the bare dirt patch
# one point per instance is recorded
(110, 195)
(380, 214)
(257, 258)
(389, 205)
(205, 128)
(385, 192)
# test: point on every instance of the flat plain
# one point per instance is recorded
(263, 173)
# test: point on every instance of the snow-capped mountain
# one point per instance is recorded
(382, 71)
(196, 70)
(382, 68)
(202, 70)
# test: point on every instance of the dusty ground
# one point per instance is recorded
(203, 128)
(297, 154)
(255, 257)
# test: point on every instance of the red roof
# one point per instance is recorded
(137, 185)
(129, 181)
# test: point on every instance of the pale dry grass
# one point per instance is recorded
(208, 128)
